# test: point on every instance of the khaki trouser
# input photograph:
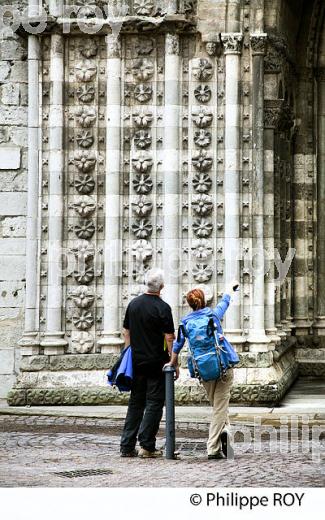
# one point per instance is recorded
(219, 395)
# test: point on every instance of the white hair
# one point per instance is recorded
(154, 279)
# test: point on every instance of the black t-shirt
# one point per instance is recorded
(148, 318)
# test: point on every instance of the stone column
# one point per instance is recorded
(320, 323)
(56, 7)
(257, 337)
(111, 340)
(271, 114)
(232, 45)
(30, 341)
(54, 341)
(171, 169)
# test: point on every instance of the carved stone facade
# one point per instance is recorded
(180, 134)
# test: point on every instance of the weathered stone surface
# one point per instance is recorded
(9, 94)
(7, 361)
(9, 159)
(12, 268)
(13, 227)
(4, 70)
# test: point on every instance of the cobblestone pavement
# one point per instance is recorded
(41, 452)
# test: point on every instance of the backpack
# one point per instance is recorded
(121, 374)
(211, 354)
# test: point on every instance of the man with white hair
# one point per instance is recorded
(149, 329)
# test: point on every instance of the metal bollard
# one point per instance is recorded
(170, 412)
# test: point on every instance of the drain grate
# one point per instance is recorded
(83, 473)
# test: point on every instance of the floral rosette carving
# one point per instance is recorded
(84, 252)
(203, 70)
(202, 138)
(202, 204)
(86, 116)
(86, 93)
(203, 93)
(84, 320)
(142, 162)
(143, 69)
(142, 251)
(143, 7)
(142, 119)
(142, 184)
(202, 161)
(202, 182)
(84, 276)
(84, 206)
(86, 71)
(142, 228)
(82, 342)
(142, 139)
(143, 93)
(202, 249)
(84, 184)
(142, 206)
(202, 117)
(202, 227)
(84, 160)
(144, 46)
(202, 273)
(85, 229)
(83, 297)
(85, 139)
(89, 49)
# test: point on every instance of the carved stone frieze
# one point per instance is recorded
(142, 139)
(84, 320)
(84, 184)
(143, 93)
(202, 161)
(142, 251)
(202, 273)
(83, 297)
(232, 42)
(202, 204)
(172, 44)
(84, 276)
(89, 48)
(143, 69)
(85, 229)
(143, 7)
(143, 118)
(142, 162)
(142, 206)
(86, 71)
(142, 228)
(203, 93)
(85, 206)
(86, 93)
(258, 43)
(202, 138)
(84, 251)
(144, 46)
(202, 227)
(203, 70)
(202, 182)
(86, 116)
(84, 160)
(202, 117)
(202, 249)
(142, 184)
(85, 139)
(82, 342)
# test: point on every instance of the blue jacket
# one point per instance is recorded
(121, 375)
(218, 312)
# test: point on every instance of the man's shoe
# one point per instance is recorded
(218, 455)
(226, 447)
(131, 454)
(146, 454)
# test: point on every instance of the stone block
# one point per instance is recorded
(7, 361)
(13, 49)
(9, 158)
(13, 180)
(18, 136)
(14, 203)
(4, 137)
(13, 246)
(12, 268)
(6, 384)
(4, 70)
(13, 116)
(19, 72)
(12, 294)
(14, 227)
(9, 94)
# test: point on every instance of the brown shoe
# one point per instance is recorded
(146, 454)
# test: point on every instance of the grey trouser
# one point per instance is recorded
(219, 395)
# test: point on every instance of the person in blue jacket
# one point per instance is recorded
(218, 392)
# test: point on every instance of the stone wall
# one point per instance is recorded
(13, 199)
